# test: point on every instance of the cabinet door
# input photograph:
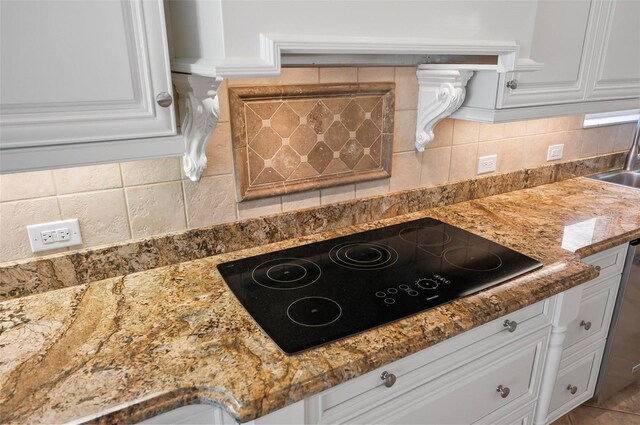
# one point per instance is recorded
(82, 71)
(615, 69)
(561, 40)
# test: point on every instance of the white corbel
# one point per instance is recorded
(441, 92)
(198, 105)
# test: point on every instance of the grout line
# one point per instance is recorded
(128, 207)
(184, 204)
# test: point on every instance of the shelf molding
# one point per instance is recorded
(441, 91)
(198, 100)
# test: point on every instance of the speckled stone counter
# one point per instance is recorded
(126, 348)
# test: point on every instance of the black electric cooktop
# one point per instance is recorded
(312, 294)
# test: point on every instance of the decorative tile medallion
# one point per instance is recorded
(293, 138)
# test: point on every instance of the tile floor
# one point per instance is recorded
(621, 409)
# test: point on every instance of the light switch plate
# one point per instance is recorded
(54, 235)
(487, 164)
(555, 152)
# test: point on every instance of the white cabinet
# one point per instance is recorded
(76, 76)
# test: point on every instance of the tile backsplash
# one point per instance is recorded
(117, 202)
(292, 138)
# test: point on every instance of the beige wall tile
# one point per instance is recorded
(405, 171)
(404, 137)
(559, 123)
(287, 76)
(35, 184)
(515, 129)
(372, 188)
(435, 166)
(572, 141)
(135, 173)
(156, 209)
(576, 122)
(300, 200)
(212, 200)
(259, 207)
(338, 75)
(537, 126)
(443, 134)
(219, 151)
(624, 136)
(598, 140)
(535, 150)
(490, 132)
(14, 218)
(335, 194)
(375, 74)
(465, 132)
(607, 142)
(511, 153)
(463, 162)
(102, 215)
(84, 179)
(406, 88)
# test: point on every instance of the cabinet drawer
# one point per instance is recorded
(581, 371)
(594, 315)
(610, 262)
(430, 364)
(523, 415)
(474, 386)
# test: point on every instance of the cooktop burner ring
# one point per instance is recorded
(295, 273)
(303, 310)
(363, 255)
(433, 237)
(488, 262)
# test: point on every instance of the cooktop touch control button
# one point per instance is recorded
(392, 290)
(389, 301)
(424, 283)
(380, 294)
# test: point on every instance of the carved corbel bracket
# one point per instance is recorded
(440, 93)
(198, 105)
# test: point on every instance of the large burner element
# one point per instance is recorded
(317, 293)
(314, 311)
(472, 259)
(363, 255)
(286, 273)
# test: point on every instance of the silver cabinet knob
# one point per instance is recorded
(598, 268)
(585, 325)
(512, 84)
(510, 325)
(504, 391)
(572, 389)
(164, 99)
(388, 378)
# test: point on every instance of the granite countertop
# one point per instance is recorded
(127, 348)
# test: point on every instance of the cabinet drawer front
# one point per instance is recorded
(581, 371)
(610, 262)
(521, 416)
(595, 313)
(473, 386)
(417, 369)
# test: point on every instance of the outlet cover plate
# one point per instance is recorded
(487, 164)
(56, 228)
(555, 152)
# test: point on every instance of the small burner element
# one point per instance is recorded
(424, 236)
(472, 259)
(314, 311)
(286, 273)
(363, 255)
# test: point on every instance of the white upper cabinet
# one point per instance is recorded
(76, 73)
(615, 69)
(559, 44)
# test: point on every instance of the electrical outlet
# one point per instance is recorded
(487, 164)
(554, 152)
(54, 235)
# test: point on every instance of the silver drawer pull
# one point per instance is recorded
(585, 325)
(512, 84)
(504, 391)
(388, 378)
(572, 389)
(598, 268)
(510, 325)
(164, 99)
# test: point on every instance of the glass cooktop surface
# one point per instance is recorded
(312, 294)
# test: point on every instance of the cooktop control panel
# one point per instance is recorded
(312, 294)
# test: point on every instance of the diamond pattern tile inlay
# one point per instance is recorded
(292, 138)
